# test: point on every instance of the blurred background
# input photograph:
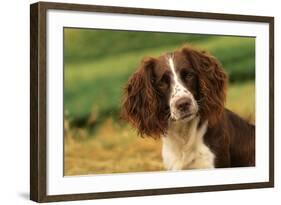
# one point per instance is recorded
(97, 64)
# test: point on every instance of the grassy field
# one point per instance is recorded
(97, 66)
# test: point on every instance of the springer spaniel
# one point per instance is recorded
(180, 96)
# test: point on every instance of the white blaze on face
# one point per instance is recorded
(178, 90)
(177, 87)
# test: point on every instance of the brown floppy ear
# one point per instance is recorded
(212, 84)
(141, 104)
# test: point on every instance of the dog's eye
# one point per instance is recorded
(186, 75)
(164, 82)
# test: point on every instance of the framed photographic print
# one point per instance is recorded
(134, 102)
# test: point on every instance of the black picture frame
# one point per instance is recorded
(38, 100)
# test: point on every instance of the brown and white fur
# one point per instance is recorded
(180, 97)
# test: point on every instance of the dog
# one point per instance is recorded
(180, 97)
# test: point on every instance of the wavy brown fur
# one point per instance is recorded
(142, 106)
(212, 83)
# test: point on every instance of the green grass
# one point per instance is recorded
(98, 64)
(86, 44)
(98, 84)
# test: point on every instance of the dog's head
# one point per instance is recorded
(175, 86)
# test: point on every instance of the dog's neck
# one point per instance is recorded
(187, 131)
(184, 148)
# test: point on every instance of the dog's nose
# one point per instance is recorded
(183, 104)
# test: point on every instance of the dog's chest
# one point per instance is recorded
(184, 148)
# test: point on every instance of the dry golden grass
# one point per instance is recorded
(114, 148)
(241, 100)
